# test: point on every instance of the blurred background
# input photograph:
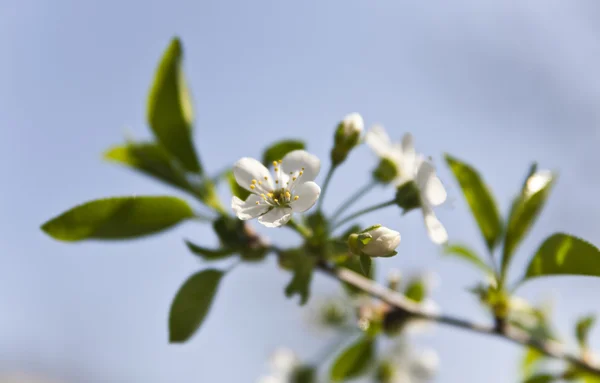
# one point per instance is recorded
(498, 84)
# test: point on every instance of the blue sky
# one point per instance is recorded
(499, 84)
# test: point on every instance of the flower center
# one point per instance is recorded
(283, 194)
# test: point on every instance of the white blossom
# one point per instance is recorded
(275, 198)
(282, 365)
(383, 242)
(411, 365)
(413, 167)
(352, 124)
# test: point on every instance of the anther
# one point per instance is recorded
(294, 178)
(276, 169)
(301, 172)
(274, 163)
(253, 181)
(266, 178)
(258, 203)
(252, 187)
(296, 198)
(276, 181)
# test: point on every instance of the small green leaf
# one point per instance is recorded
(582, 329)
(416, 290)
(118, 218)
(524, 211)
(209, 254)
(467, 254)
(192, 303)
(148, 158)
(235, 188)
(530, 361)
(365, 264)
(279, 149)
(541, 378)
(302, 266)
(563, 254)
(170, 113)
(480, 200)
(353, 361)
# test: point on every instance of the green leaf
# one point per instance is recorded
(563, 254)
(365, 264)
(170, 113)
(582, 329)
(304, 374)
(118, 218)
(148, 158)
(467, 254)
(235, 188)
(209, 254)
(302, 266)
(353, 361)
(530, 361)
(541, 378)
(192, 303)
(524, 212)
(480, 200)
(279, 149)
(416, 290)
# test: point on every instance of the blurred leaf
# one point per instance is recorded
(304, 374)
(236, 189)
(191, 304)
(302, 266)
(279, 149)
(170, 113)
(353, 361)
(118, 218)
(480, 200)
(148, 158)
(530, 361)
(525, 209)
(416, 290)
(563, 254)
(542, 378)
(365, 264)
(209, 254)
(467, 254)
(582, 329)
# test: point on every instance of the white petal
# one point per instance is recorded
(276, 217)
(247, 169)
(379, 141)
(307, 194)
(431, 187)
(408, 145)
(295, 160)
(435, 229)
(248, 209)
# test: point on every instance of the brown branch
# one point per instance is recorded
(402, 308)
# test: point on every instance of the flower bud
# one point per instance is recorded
(386, 171)
(347, 136)
(376, 241)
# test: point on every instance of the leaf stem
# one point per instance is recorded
(364, 211)
(325, 185)
(353, 198)
(300, 229)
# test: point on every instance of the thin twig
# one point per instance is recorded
(403, 308)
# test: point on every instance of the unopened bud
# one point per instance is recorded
(386, 171)
(347, 136)
(376, 241)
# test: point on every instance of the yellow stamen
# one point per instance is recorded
(287, 194)
(253, 181)
(294, 178)
(279, 161)
(301, 172)
(252, 187)
(270, 195)
(276, 181)
(276, 169)
(274, 163)
(266, 178)
(263, 196)
(296, 198)
(276, 201)
(302, 168)
(260, 182)
(257, 202)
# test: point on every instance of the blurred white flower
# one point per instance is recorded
(413, 167)
(282, 364)
(409, 365)
(274, 199)
(537, 181)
